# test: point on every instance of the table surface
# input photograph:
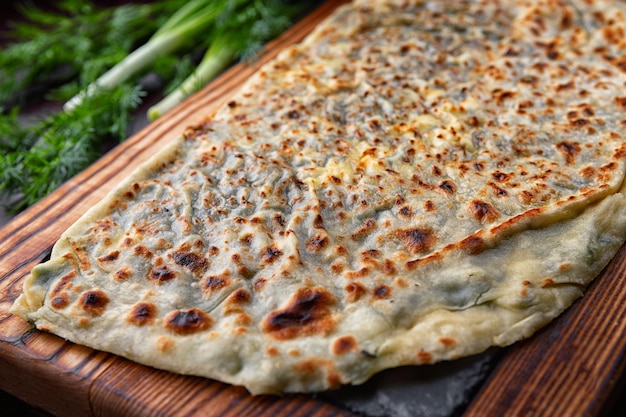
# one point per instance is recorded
(530, 354)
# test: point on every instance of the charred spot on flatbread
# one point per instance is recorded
(213, 283)
(307, 313)
(345, 344)
(195, 263)
(94, 302)
(161, 274)
(142, 314)
(483, 211)
(114, 255)
(416, 240)
(188, 321)
(271, 254)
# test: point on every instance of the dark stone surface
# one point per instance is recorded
(439, 390)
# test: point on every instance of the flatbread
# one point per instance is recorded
(414, 182)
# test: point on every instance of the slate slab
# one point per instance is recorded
(439, 390)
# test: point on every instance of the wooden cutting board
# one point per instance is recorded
(570, 368)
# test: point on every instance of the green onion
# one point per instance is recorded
(94, 60)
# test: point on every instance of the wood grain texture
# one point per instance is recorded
(567, 369)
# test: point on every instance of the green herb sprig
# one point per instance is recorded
(60, 146)
(240, 32)
(93, 60)
(72, 43)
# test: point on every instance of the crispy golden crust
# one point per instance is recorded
(415, 182)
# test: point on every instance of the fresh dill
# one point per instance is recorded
(93, 59)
